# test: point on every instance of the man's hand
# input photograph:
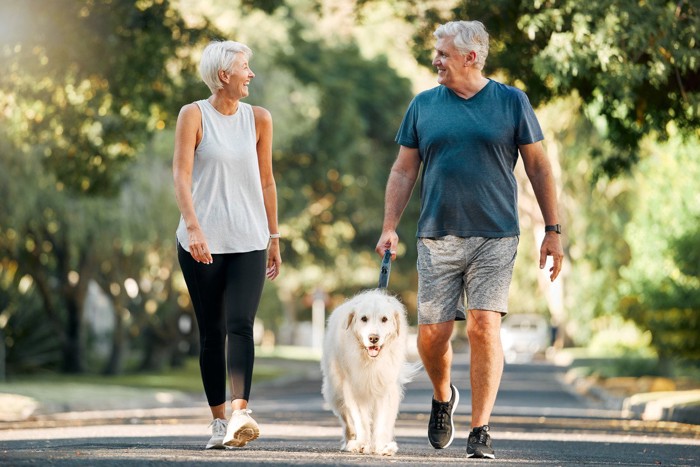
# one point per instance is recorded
(388, 241)
(551, 246)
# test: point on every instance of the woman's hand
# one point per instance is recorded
(274, 260)
(198, 246)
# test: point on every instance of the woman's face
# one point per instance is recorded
(239, 76)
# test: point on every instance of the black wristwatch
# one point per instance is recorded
(553, 228)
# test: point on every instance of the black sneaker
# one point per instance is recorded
(441, 428)
(479, 443)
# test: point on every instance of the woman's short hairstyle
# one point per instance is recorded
(467, 36)
(220, 55)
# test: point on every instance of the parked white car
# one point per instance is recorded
(524, 336)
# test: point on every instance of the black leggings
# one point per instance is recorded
(225, 296)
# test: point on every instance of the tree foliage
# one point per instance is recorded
(90, 81)
(85, 85)
(346, 154)
(635, 65)
(85, 189)
(660, 290)
(65, 233)
(332, 175)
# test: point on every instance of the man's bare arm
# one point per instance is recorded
(539, 171)
(402, 179)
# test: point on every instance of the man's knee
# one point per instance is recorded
(434, 337)
(483, 325)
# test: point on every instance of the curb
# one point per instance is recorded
(154, 416)
(675, 406)
(668, 406)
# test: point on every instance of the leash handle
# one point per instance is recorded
(385, 270)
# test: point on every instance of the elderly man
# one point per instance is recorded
(467, 134)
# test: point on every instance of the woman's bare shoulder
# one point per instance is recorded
(261, 114)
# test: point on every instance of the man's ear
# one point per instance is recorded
(470, 58)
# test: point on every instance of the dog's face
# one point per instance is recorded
(375, 322)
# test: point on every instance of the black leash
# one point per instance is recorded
(385, 270)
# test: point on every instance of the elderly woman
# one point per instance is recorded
(228, 240)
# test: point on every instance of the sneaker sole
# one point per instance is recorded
(216, 446)
(479, 455)
(243, 436)
(452, 422)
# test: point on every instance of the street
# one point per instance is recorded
(537, 421)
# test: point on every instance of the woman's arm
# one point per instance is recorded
(263, 127)
(188, 134)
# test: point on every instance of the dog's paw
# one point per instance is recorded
(356, 446)
(388, 449)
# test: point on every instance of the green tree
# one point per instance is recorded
(90, 81)
(333, 174)
(660, 291)
(27, 333)
(85, 85)
(634, 65)
(336, 111)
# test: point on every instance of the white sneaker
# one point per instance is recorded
(218, 432)
(241, 429)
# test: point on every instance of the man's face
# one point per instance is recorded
(448, 61)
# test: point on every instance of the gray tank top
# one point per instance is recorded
(226, 187)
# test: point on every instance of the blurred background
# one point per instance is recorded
(90, 92)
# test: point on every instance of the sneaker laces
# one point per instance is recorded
(218, 426)
(441, 414)
(480, 434)
(242, 412)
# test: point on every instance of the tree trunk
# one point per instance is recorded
(74, 300)
(72, 348)
(158, 352)
(288, 327)
(115, 364)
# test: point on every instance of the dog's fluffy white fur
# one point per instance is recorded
(365, 369)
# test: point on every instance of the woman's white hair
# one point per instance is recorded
(220, 55)
(467, 36)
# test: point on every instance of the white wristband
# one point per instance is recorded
(276, 235)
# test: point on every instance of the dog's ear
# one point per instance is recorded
(397, 321)
(351, 317)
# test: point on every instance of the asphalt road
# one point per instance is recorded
(537, 421)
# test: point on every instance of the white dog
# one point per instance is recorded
(364, 369)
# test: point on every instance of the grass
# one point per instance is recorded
(60, 392)
(587, 364)
(269, 364)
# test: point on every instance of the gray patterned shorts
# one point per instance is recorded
(458, 271)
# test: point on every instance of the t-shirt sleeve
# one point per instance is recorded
(407, 134)
(527, 127)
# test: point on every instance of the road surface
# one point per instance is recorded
(537, 421)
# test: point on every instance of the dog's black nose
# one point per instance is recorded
(373, 338)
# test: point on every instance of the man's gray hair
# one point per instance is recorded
(220, 55)
(467, 36)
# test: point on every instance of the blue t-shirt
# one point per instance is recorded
(468, 148)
